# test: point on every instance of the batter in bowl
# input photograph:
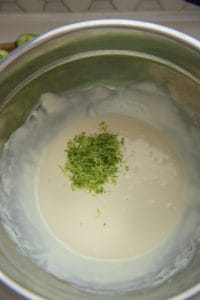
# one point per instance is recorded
(138, 233)
(132, 216)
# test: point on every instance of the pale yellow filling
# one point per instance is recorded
(134, 215)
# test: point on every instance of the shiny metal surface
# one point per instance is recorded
(110, 52)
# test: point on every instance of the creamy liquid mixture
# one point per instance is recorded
(142, 230)
(134, 215)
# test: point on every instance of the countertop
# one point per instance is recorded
(186, 22)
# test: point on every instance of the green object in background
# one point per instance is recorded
(24, 38)
(3, 53)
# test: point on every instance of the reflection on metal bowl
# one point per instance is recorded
(109, 53)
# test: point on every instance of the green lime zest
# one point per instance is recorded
(98, 214)
(93, 160)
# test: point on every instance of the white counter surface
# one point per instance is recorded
(11, 25)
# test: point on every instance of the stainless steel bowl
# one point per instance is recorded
(108, 52)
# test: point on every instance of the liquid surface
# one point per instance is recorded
(74, 235)
(134, 215)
